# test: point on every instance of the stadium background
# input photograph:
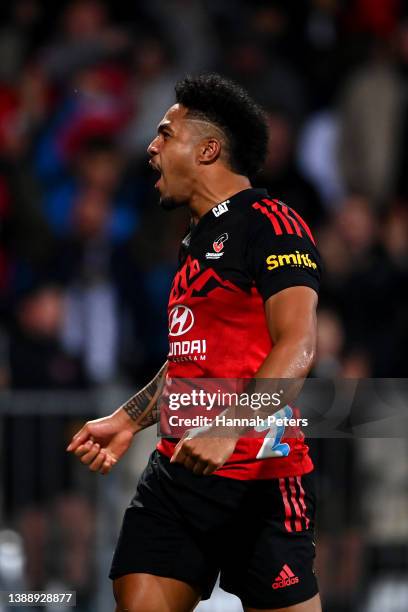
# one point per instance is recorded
(87, 256)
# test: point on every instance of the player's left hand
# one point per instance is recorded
(203, 454)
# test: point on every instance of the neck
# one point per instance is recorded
(217, 189)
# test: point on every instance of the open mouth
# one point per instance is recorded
(158, 171)
(157, 182)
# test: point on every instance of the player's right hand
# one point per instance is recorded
(102, 442)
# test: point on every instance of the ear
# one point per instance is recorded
(209, 151)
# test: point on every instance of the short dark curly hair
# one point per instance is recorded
(228, 106)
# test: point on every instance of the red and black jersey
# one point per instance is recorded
(240, 253)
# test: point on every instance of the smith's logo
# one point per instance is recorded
(296, 259)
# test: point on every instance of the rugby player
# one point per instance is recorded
(242, 305)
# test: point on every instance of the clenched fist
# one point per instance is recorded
(102, 442)
(203, 455)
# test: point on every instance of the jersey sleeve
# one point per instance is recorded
(281, 251)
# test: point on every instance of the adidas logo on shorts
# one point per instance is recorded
(285, 578)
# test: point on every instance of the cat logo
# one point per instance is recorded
(295, 260)
(220, 209)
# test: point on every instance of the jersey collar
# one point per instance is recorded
(233, 202)
(247, 195)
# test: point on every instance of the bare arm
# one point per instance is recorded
(291, 320)
(143, 407)
(102, 442)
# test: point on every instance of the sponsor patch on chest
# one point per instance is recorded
(218, 247)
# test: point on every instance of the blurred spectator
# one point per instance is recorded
(360, 281)
(379, 17)
(191, 38)
(155, 74)
(22, 30)
(330, 342)
(5, 259)
(96, 104)
(23, 106)
(401, 43)
(370, 115)
(86, 38)
(37, 360)
(97, 170)
(83, 261)
(166, 50)
(281, 175)
(317, 156)
(272, 81)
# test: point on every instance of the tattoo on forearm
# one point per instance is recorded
(143, 407)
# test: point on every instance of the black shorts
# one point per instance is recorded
(257, 533)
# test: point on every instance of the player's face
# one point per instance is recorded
(174, 154)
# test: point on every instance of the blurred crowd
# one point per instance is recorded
(86, 254)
